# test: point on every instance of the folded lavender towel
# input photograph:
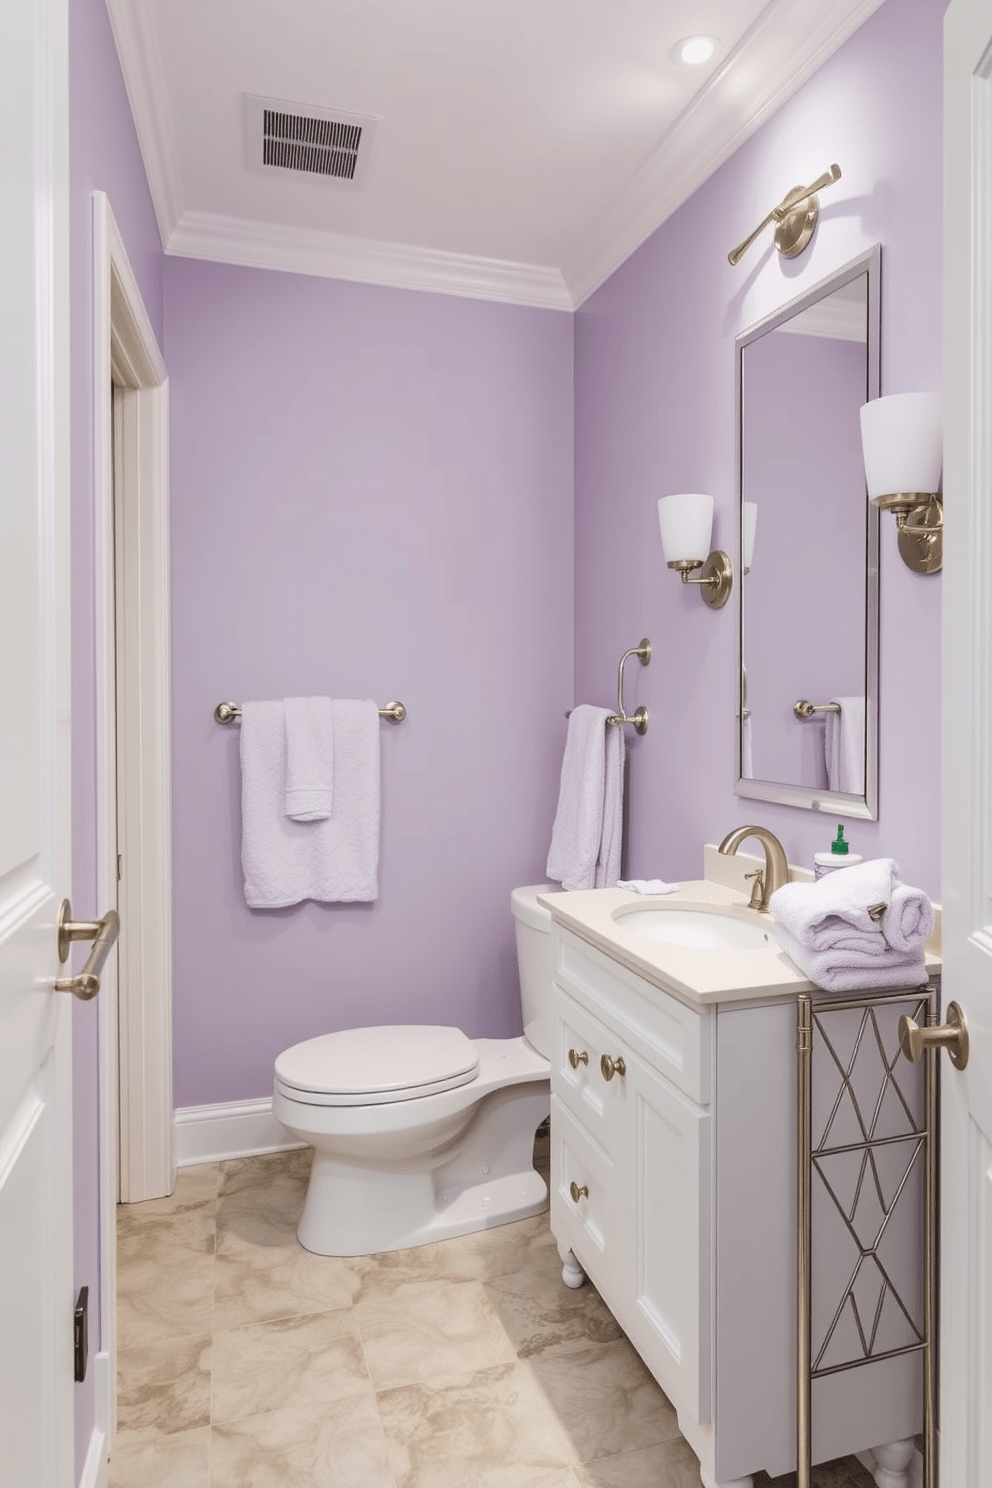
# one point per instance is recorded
(865, 910)
(909, 919)
(850, 971)
(647, 885)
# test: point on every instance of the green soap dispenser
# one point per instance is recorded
(839, 856)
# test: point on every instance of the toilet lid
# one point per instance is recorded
(370, 1066)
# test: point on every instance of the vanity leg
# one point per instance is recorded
(709, 1482)
(572, 1273)
(891, 1466)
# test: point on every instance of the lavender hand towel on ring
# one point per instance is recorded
(309, 726)
(334, 860)
(611, 840)
(577, 835)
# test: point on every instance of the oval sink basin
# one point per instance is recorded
(697, 927)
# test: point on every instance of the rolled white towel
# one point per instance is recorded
(647, 885)
(908, 921)
(850, 971)
(833, 914)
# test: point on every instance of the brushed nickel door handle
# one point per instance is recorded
(577, 1192)
(610, 1067)
(952, 1036)
(102, 933)
(575, 1058)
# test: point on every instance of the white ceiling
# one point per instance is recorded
(526, 147)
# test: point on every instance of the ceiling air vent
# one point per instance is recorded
(289, 138)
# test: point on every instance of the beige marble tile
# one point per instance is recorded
(260, 1199)
(196, 1188)
(314, 1362)
(671, 1464)
(179, 1461)
(165, 1268)
(385, 1274)
(430, 1331)
(163, 1388)
(256, 1283)
(302, 1447)
(488, 1429)
(508, 1249)
(540, 1313)
(604, 1400)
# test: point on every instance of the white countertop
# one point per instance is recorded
(699, 977)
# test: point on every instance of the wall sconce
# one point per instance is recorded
(750, 522)
(902, 440)
(686, 522)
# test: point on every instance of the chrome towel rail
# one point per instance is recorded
(228, 712)
(803, 709)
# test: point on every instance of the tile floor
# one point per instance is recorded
(246, 1362)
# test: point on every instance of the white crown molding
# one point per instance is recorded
(803, 34)
(266, 245)
(136, 40)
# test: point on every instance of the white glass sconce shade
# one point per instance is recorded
(902, 436)
(750, 522)
(686, 522)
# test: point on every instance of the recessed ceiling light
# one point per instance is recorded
(694, 50)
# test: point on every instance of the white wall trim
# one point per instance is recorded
(144, 80)
(94, 1473)
(238, 1129)
(266, 245)
(717, 122)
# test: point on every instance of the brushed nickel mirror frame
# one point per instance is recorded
(834, 803)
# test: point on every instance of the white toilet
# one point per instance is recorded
(421, 1133)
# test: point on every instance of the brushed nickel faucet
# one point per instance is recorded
(776, 870)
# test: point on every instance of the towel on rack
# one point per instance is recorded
(334, 860)
(590, 806)
(844, 746)
(849, 971)
(309, 758)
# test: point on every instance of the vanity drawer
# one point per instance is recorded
(667, 1034)
(577, 1080)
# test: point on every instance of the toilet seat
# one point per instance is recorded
(376, 1066)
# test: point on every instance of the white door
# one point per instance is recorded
(36, 1300)
(965, 1394)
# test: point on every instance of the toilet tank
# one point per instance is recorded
(535, 963)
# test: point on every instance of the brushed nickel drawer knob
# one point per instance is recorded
(575, 1058)
(577, 1192)
(611, 1067)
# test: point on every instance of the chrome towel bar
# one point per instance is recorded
(228, 712)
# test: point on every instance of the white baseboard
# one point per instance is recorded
(239, 1129)
(94, 1473)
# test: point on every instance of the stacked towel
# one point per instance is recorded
(588, 827)
(857, 927)
(333, 858)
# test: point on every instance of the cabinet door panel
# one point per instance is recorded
(586, 1222)
(669, 1153)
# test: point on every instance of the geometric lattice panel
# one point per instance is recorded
(868, 1187)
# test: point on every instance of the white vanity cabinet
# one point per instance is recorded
(674, 1187)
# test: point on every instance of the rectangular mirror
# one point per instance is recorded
(807, 715)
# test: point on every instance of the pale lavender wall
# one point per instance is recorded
(372, 497)
(103, 156)
(654, 413)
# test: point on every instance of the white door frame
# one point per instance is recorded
(137, 1158)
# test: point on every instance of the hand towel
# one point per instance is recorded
(747, 749)
(844, 746)
(309, 758)
(611, 841)
(832, 914)
(908, 921)
(647, 885)
(577, 835)
(850, 971)
(335, 860)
